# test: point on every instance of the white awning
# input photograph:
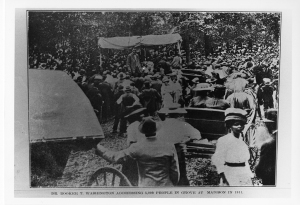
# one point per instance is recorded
(127, 42)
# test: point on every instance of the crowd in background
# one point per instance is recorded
(157, 66)
(240, 77)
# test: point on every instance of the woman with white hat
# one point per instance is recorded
(166, 91)
(232, 154)
(201, 95)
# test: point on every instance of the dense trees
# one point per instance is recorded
(77, 32)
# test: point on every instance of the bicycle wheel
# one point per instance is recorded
(108, 177)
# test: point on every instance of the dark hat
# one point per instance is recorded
(235, 114)
(148, 126)
(271, 114)
(211, 80)
(165, 79)
(172, 108)
(121, 76)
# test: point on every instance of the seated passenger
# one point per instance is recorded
(201, 95)
(217, 102)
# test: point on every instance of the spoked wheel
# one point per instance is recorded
(108, 177)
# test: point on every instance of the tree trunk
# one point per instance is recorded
(207, 46)
(187, 45)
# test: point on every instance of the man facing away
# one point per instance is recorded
(157, 160)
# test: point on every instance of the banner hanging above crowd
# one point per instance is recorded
(149, 40)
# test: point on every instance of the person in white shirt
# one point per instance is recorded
(232, 154)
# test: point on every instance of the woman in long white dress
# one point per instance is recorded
(232, 153)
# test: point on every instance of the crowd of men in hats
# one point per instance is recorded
(238, 80)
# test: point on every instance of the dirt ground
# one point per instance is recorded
(82, 163)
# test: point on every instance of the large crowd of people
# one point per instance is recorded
(146, 91)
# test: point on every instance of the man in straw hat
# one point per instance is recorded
(127, 101)
(157, 160)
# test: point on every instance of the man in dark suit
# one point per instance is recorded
(133, 63)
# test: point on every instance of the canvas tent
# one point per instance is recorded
(58, 109)
(131, 41)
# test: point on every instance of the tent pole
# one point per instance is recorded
(178, 47)
(100, 58)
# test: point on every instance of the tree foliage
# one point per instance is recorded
(77, 32)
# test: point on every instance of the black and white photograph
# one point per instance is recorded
(127, 100)
(153, 98)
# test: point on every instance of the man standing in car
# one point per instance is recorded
(133, 63)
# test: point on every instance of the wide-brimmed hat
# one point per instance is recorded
(172, 74)
(271, 114)
(137, 111)
(148, 126)
(202, 87)
(267, 81)
(166, 110)
(172, 108)
(98, 77)
(127, 89)
(211, 80)
(235, 114)
(207, 63)
(195, 80)
(155, 76)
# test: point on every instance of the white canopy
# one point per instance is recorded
(149, 40)
(58, 108)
